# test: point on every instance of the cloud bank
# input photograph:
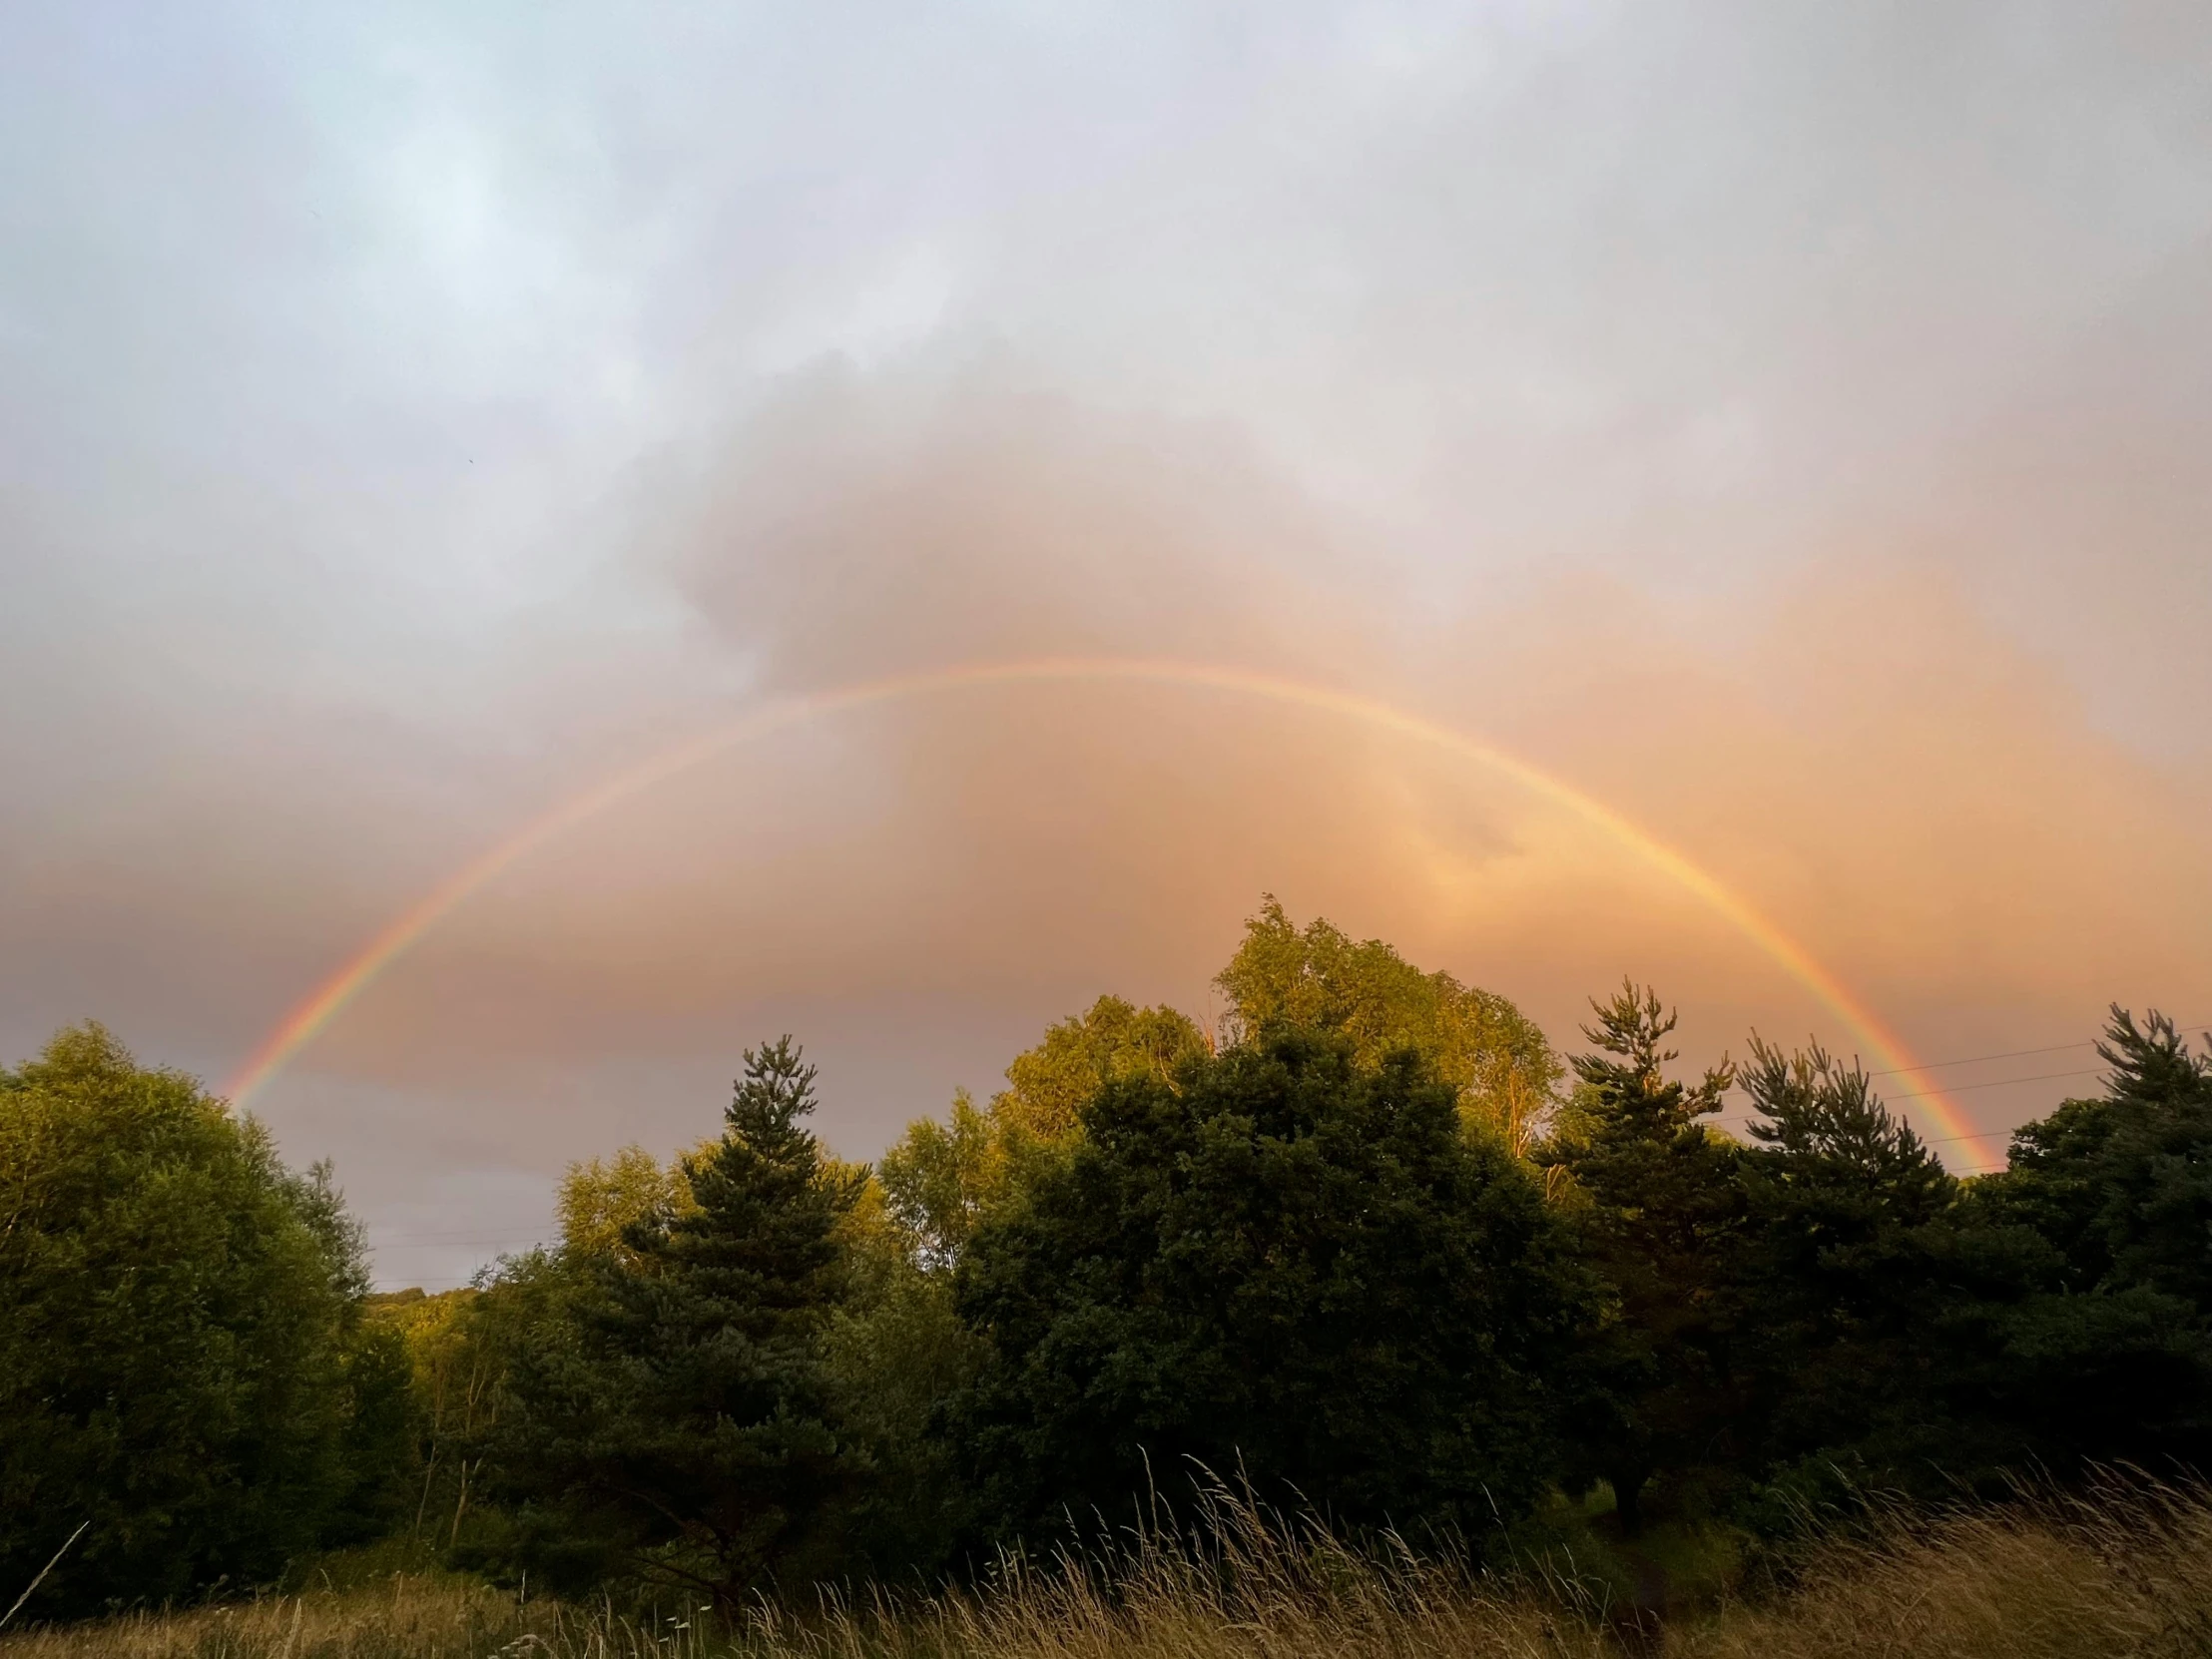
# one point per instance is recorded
(1782, 423)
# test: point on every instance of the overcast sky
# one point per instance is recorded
(1788, 423)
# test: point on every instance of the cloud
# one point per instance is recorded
(919, 887)
(958, 504)
(1783, 424)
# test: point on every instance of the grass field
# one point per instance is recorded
(2124, 1574)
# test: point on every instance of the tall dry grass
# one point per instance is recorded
(2124, 1569)
(2123, 1572)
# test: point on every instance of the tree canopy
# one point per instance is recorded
(1282, 1265)
(1352, 1247)
(1495, 1059)
(184, 1365)
(943, 1179)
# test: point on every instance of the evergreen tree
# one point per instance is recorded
(2104, 1211)
(1914, 1331)
(1659, 1212)
(1850, 1272)
(2123, 1185)
(680, 1426)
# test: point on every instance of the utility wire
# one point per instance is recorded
(1996, 1083)
(2019, 1053)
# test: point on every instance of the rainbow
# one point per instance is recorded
(404, 931)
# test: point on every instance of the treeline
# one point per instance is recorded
(1371, 1247)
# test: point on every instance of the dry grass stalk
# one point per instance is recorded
(2124, 1572)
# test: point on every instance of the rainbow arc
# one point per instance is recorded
(314, 1013)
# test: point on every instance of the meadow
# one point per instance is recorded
(2122, 1570)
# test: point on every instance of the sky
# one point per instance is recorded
(1783, 426)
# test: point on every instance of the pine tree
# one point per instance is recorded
(2108, 1353)
(681, 1429)
(1849, 1275)
(1659, 1213)
(2123, 1185)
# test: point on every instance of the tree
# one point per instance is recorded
(1659, 1215)
(2103, 1350)
(893, 1353)
(1049, 1085)
(943, 1179)
(2123, 1185)
(680, 1426)
(600, 1200)
(1281, 1263)
(1496, 1058)
(184, 1366)
(1923, 1332)
(1850, 1272)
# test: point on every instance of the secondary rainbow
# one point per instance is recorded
(319, 1009)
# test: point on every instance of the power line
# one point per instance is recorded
(1977, 1060)
(1983, 1135)
(2020, 1053)
(1996, 1083)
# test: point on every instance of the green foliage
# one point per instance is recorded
(1849, 1275)
(602, 1199)
(893, 1358)
(1049, 1085)
(2104, 1218)
(1657, 1207)
(375, 1452)
(183, 1362)
(1286, 1265)
(2123, 1185)
(1919, 1332)
(943, 1179)
(460, 1348)
(1332, 1258)
(1496, 1057)
(677, 1425)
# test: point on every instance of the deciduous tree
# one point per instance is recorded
(184, 1365)
(1283, 1264)
(1496, 1058)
